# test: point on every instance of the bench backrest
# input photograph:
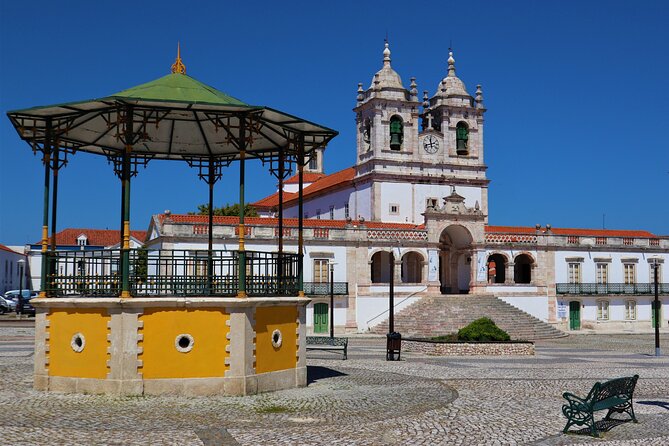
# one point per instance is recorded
(324, 340)
(619, 387)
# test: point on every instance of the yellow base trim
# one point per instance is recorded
(125, 294)
(42, 294)
(300, 293)
(241, 294)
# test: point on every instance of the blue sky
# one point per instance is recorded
(576, 94)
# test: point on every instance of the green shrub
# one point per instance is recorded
(449, 337)
(483, 329)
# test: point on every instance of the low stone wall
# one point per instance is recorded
(435, 348)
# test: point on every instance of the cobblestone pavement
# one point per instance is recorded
(362, 401)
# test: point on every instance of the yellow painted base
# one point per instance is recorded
(196, 346)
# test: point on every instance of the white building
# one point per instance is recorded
(419, 192)
(10, 269)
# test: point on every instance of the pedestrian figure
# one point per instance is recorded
(492, 271)
(19, 305)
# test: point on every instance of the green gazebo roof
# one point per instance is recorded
(176, 87)
(174, 117)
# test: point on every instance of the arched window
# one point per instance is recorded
(412, 268)
(367, 133)
(396, 133)
(496, 268)
(462, 138)
(522, 269)
(313, 162)
(381, 267)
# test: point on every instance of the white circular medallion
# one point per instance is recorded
(277, 339)
(78, 342)
(184, 343)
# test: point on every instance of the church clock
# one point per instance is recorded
(431, 144)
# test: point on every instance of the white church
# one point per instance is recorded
(415, 207)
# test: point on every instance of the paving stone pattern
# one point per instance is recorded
(365, 400)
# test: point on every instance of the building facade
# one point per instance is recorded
(414, 208)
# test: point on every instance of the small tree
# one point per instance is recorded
(483, 329)
(227, 210)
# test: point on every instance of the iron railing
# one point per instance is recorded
(323, 288)
(171, 273)
(610, 288)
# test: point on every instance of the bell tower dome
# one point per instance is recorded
(386, 119)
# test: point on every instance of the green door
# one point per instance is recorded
(574, 315)
(321, 318)
(652, 312)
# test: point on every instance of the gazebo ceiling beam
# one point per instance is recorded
(204, 137)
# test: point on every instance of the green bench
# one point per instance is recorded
(328, 344)
(614, 395)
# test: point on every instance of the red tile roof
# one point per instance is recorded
(96, 237)
(327, 182)
(6, 248)
(570, 231)
(287, 222)
(307, 177)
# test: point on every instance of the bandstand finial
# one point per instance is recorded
(178, 66)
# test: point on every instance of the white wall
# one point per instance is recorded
(337, 199)
(537, 306)
(340, 306)
(372, 310)
(615, 270)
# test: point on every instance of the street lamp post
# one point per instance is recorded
(656, 310)
(332, 299)
(19, 302)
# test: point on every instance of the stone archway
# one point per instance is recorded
(455, 258)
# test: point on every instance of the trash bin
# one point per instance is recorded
(393, 346)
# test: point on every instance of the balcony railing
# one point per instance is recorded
(610, 288)
(323, 288)
(171, 273)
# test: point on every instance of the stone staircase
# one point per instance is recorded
(436, 315)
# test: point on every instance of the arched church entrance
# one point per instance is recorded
(455, 260)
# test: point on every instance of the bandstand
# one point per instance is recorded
(139, 321)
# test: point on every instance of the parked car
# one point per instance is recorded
(6, 305)
(11, 298)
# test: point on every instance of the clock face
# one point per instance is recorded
(431, 144)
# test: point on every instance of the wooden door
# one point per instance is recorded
(320, 318)
(574, 315)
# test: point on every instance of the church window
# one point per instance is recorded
(396, 133)
(367, 132)
(346, 211)
(522, 269)
(320, 270)
(394, 209)
(629, 273)
(496, 268)
(318, 214)
(630, 309)
(313, 162)
(602, 273)
(603, 310)
(574, 272)
(462, 138)
(380, 267)
(331, 212)
(652, 274)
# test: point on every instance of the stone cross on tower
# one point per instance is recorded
(429, 121)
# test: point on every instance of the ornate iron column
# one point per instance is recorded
(242, 252)
(300, 216)
(45, 213)
(125, 203)
(55, 161)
